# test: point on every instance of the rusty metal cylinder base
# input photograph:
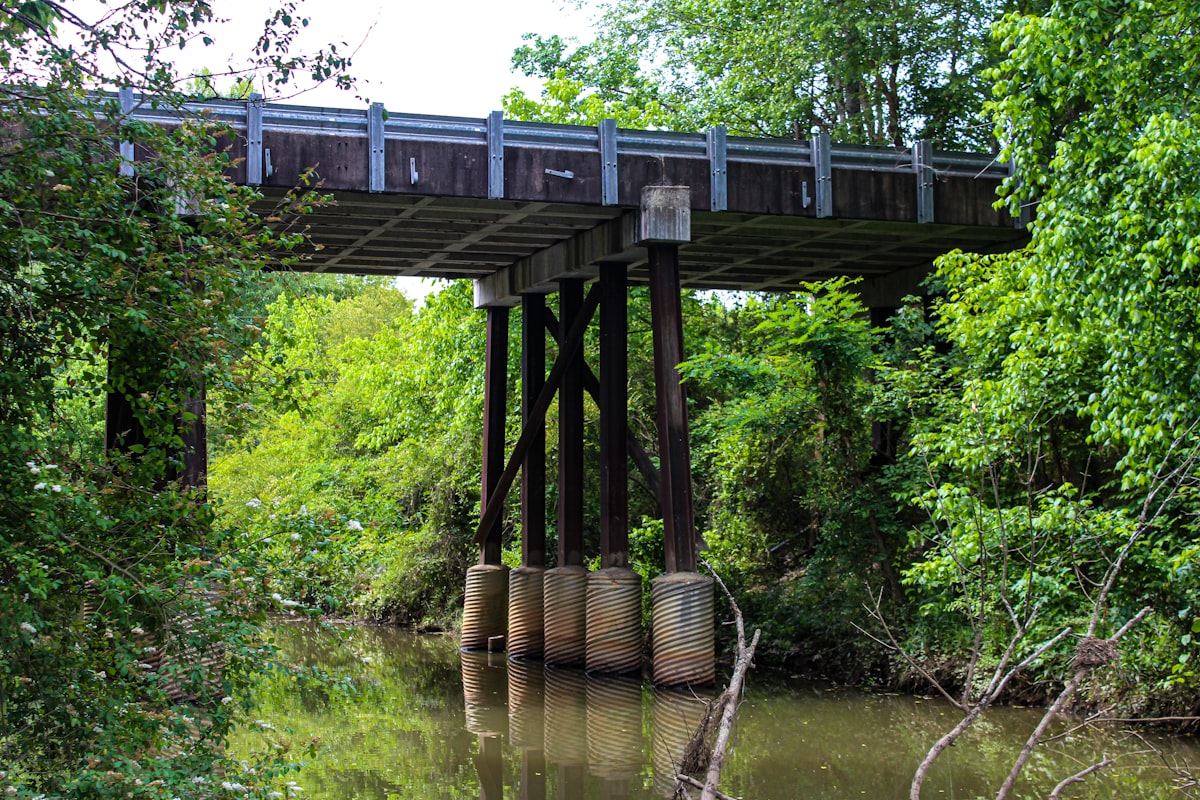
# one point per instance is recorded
(682, 622)
(525, 638)
(614, 725)
(565, 717)
(485, 607)
(614, 621)
(564, 609)
(485, 693)
(678, 713)
(526, 704)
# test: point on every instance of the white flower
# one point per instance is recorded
(25, 626)
(226, 700)
(52, 466)
(288, 603)
(274, 794)
(295, 537)
(137, 631)
(56, 488)
(354, 525)
(37, 487)
(199, 779)
(32, 467)
(277, 597)
(367, 659)
(254, 503)
(303, 509)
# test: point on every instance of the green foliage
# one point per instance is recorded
(362, 440)
(125, 629)
(1057, 433)
(859, 71)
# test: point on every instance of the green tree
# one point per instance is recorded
(862, 72)
(111, 285)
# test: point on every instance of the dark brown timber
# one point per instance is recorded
(495, 504)
(614, 423)
(495, 389)
(533, 470)
(641, 459)
(570, 435)
(666, 313)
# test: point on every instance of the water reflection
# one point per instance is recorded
(417, 719)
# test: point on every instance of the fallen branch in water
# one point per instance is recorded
(727, 704)
(690, 781)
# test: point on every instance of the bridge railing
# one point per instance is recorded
(752, 150)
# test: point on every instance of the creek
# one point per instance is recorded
(409, 716)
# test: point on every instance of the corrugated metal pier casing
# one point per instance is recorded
(677, 715)
(485, 693)
(564, 607)
(566, 716)
(525, 612)
(614, 726)
(614, 621)
(682, 623)
(526, 704)
(485, 606)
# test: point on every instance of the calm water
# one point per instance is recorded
(417, 719)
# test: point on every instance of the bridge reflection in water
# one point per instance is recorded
(578, 735)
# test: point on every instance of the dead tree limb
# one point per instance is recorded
(728, 702)
(1078, 777)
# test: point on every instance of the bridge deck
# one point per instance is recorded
(519, 205)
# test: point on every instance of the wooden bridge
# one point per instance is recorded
(527, 210)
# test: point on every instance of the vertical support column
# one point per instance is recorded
(666, 312)
(564, 602)
(614, 593)
(614, 422)
(485, 605)
(525, 597)
(533, 470)
(495, 393)
(570, 437)
(681, 600)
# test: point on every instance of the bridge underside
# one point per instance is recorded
(494, 240)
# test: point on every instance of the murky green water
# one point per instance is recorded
(421, 720)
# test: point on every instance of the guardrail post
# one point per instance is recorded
(823, 166)
(495, 141)
(608, 162)
(718, 172)
(376, 166)
(923, 167)
(254, 140)
(125, 96)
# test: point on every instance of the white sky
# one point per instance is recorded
(450, 57)
(447, 57)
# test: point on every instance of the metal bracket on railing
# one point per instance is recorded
(805, 200)
(125, 97)
(254, 140)
(923, 166)
(412, 171)
(822, 165)
(376, 167)
(495, 142)
(561, 173)
(718, 169)
(609, 188)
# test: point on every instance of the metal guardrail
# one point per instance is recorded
(254, 117)
(752, 150)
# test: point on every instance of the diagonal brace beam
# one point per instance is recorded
(537, 415)
(592, 385)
